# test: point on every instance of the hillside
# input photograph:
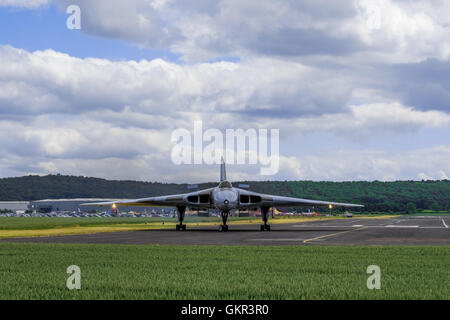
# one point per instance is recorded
(376, 196)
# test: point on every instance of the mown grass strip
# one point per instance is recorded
(45, 227)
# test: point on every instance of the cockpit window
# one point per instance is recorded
(225, 184)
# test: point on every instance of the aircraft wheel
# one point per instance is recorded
(262, 227)
(180, 227)
(267, 227)
(223, 228)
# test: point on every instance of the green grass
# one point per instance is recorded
(38, 271)
(36, 223)
(430, 213)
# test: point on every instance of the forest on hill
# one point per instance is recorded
(377, 196)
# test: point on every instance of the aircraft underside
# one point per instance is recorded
(181, 210)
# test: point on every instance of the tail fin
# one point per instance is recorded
(223, 172)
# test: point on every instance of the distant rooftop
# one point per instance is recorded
(6, 202)
(78, 200)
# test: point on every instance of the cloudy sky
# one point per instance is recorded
(360, 90)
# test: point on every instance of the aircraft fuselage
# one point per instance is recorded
(225, 199)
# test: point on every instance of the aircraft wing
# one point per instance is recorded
(254, 199)
(279, 201)
(198, 199)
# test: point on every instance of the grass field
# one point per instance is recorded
(430, 213)
(38, 271)
(35, 223)
(11, 227)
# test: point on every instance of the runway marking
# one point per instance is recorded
(357, 226)
(333, 234)
(392, 226)
(379, 226)
(444, 223)
(265, 239)
(347, 222)
(320, 226)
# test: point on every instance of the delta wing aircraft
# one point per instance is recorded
(224, 198)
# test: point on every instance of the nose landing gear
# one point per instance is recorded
(224, 226)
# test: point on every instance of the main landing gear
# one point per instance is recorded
(265, 217)
(224, 226)
(180, 212)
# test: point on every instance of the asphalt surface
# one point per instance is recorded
(352, 231)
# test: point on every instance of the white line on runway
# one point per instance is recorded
(320, 226)
(358, 226)
(351, 221)
(320, 238)
(287, 239)
(392, 226)
(443, 222)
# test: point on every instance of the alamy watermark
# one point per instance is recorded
(74, 280)
(374, 281)
(73, 22)
(236, 146)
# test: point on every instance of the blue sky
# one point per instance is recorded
(46, 29)
(355, 96)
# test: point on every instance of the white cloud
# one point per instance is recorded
(305, 67)
(402, 31)
(58, 83)
(368, 118)
(371, 164)
(114, 119)
(199, 30)
(203, 30)
(153, 94)
(335, 165)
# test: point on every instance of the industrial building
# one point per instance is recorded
(14, 206)
(74, 206)
(71, 205)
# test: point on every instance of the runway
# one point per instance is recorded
(352, 231)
